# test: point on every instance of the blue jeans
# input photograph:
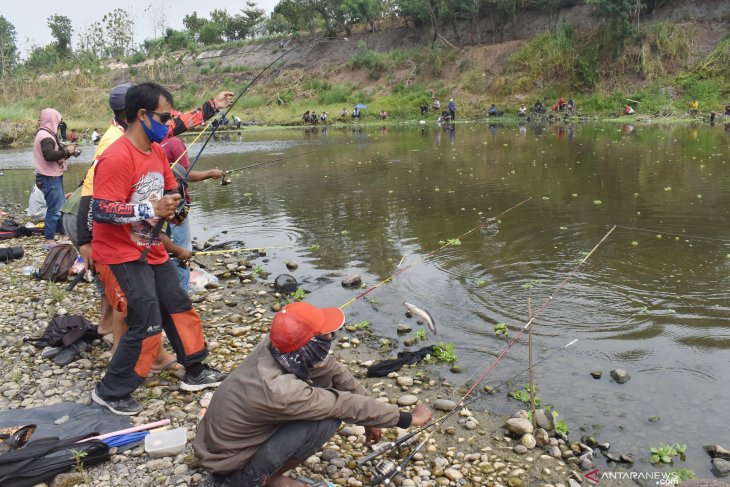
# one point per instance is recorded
(180, 235)
(52, 187)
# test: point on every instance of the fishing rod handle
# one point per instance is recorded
(376, 453)
(76, 280)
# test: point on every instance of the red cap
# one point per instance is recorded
(297, 323)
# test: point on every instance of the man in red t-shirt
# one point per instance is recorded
(133, 188)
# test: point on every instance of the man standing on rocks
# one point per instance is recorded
(285, 400)
(133, 188)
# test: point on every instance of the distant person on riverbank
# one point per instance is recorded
(51, 160)
(356, 113)
(324, 117)
(560, 105)
(343, 113)
(95, 137)
(629, 110)
(285, 401)
(436, 105)
(539, 108)
(62, 130)
(522, 111)
(572, 106)
(237, 122)
(694, 107)
(72, 137)
(452, 109)
(305, 117)
(492, 112)
(383, 115)
(423, 108)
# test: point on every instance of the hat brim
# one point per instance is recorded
(333, 320)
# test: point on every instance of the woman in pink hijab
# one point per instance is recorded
(50, 159)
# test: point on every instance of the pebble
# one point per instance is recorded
(453, 474)
(407, 400)
(519, 426)
(444, 404)
(404, 381)
(620, 376)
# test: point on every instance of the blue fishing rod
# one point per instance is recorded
(182, 210)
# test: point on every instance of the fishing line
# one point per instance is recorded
(270, 161)
(683, 235)
(226, 251)
(394, 469)
(435, 422)
(433, 252)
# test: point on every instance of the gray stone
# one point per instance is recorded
(596, 374)
(401, 328)
(519, 426)
(292, 265)
(404, 381)
(444, 404)
(541, 437)
(716, 451)
(573, 483)
(329, 454)
(520, 449)
(453, 474)
(620, 376)
(351, 281)
(544, 419)
(407, 400)
(529, 441)
(555, 452)
(720, 467)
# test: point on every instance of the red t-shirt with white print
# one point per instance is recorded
(125, 174)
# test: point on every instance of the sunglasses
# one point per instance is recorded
(324, 338)
(164, 117)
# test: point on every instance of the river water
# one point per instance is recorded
(652, 298)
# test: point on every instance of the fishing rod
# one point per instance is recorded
(433, 252)
(269, 162)
(404, 439)
(181, 213)
(683, 235)
(390, 469)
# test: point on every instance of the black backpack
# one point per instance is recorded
(43, 459)
(65, 330)
(9, 229)
(58, 262)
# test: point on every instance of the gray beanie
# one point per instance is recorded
(117, 95)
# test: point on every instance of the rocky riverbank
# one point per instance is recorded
(471, 448)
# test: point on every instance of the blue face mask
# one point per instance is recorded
(157, 131)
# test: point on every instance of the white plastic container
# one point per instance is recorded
(166, 443)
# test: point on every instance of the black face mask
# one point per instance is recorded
(300, 362)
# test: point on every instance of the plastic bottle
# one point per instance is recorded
(28, 270)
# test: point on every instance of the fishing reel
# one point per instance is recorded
(225, 180)
(384, 471)
(181, 213)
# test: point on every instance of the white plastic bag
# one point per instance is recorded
(199, 278)
(36, 205)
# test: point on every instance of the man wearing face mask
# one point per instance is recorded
(285, 400)
(133, 188)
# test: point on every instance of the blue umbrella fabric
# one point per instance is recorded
(360, 106)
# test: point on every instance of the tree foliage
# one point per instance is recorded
(8, 48)
(119, 33)
(61, 30)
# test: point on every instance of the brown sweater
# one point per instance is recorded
(259, 395)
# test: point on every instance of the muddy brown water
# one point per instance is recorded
(652, 299)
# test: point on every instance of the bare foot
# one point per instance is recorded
(163, 358)
(284, 481)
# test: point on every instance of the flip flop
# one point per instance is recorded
(316, 482)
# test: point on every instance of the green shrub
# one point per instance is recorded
(336, 94)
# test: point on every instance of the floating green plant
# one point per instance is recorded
(500, 329)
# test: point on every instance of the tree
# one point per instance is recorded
(296, 13)
(92, 40)
(62, 31)
(194, 24)
(119, 33)
(255, 18)
(210, 33)
(8, 48)
(43, 57)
